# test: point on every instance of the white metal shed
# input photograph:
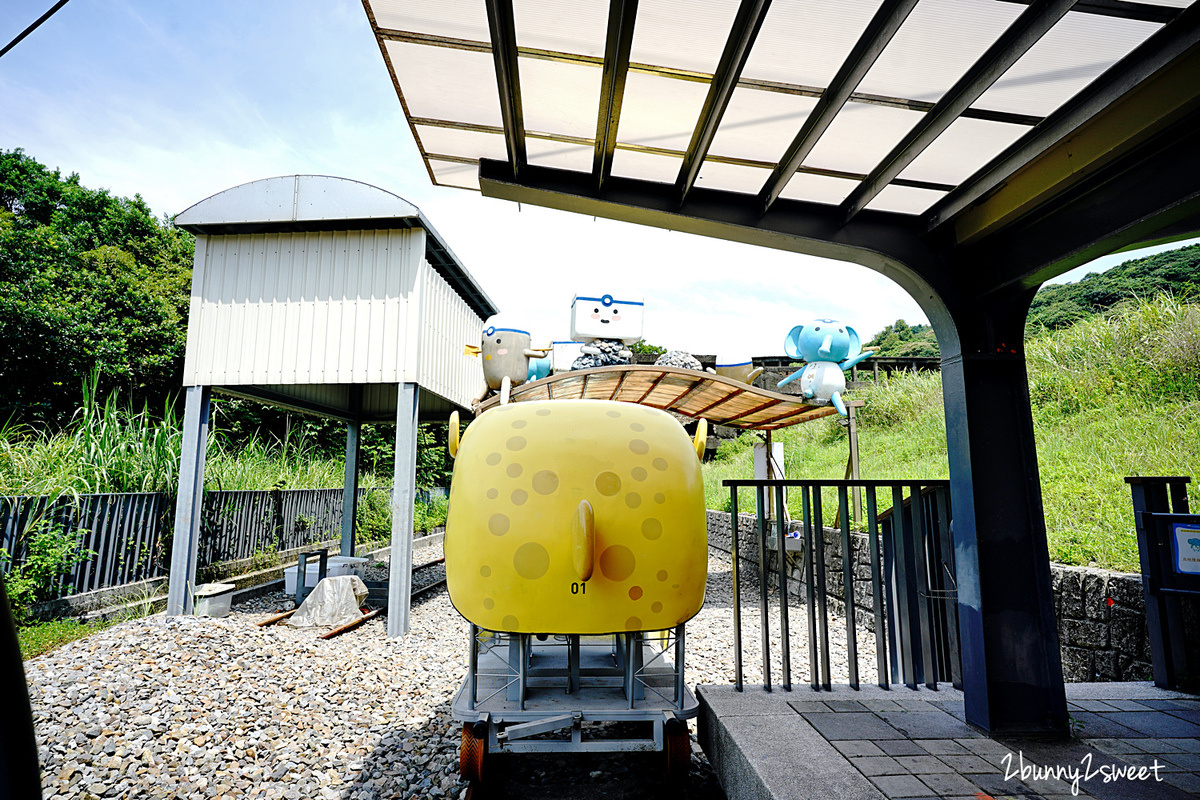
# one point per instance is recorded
(330, 297)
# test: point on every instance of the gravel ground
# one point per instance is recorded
(219, 708)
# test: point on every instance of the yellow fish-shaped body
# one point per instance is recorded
(576, 516)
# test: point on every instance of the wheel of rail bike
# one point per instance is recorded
(677, 749)
(472, 752)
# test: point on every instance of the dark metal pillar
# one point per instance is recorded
(185, 543)
(19, 773)
(1012, 669)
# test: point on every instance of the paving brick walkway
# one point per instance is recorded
(1131, 741)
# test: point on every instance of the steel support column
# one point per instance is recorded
(350, 484)
(404, 481)
(1012, 668)
(185, 544)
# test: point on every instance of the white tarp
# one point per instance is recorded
(334, 601)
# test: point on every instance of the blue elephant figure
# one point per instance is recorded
(539, 368)
(830, 348)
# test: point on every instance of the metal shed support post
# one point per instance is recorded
(185, 545)
(403, 494)
(1011, 663)
(350, 488)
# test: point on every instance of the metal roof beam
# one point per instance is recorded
(746, 25)
(875, 38)
(1143, 12)
(504, 51)
(1023, 34)
(1169, 49)
(432, 40)
(617, 44)
(1151, 192)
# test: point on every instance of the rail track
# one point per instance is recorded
(429, 585)
(434, 573)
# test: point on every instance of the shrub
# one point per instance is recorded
(50, 554)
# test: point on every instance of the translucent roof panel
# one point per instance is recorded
(760, 125)
(1070, 56)
(560, 155)
(437, 140)
(446, 83)
(645, 166)
(559, 97)
(860, 136)
(732, 177)
(682, 34)
(962, 148)
(658, 111)
(452, 173)
(578, 27)
(456, 19)
(905, 199)
(823, 31)
(818, 188)
(936, 45)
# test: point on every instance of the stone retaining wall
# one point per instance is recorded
(1101, 614)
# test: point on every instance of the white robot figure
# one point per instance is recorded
(607, 327)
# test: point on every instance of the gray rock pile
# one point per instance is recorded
(610, 354)
(679, 358)
(190, 707)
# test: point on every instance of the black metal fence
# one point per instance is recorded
(913, 604)
(129, 534)
(125, 531)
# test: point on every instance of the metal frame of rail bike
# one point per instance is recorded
(522, 686)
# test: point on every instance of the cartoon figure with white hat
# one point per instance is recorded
(507, 355)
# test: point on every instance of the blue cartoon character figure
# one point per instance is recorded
(830, 348)
(1194, 543)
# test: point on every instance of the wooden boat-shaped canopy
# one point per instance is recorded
(720, 400)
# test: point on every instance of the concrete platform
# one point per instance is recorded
(1132, 741)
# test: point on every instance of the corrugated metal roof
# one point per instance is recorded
(307, 203)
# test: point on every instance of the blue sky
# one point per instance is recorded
(179, 100)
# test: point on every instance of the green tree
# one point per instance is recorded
(88, 282)
(901, 340)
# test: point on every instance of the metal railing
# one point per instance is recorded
(129, 533)
(913, 598)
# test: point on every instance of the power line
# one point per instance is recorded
(32, 27)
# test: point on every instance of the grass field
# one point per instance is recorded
(1114, 395)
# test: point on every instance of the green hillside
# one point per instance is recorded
(1115, 394)
(1175, 272)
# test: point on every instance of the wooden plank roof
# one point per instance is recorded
(721, 401)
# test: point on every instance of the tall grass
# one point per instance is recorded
(105, 448)
(1114, 395)
(108, 447)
